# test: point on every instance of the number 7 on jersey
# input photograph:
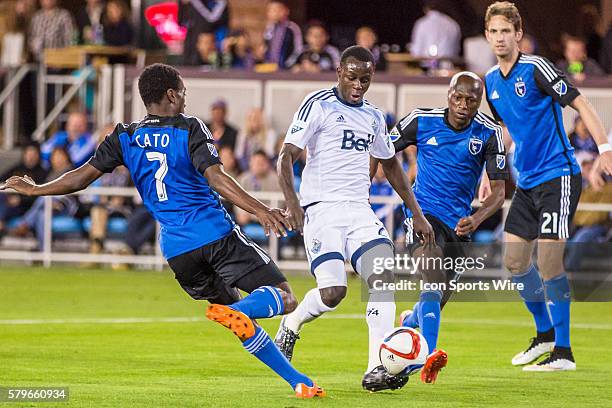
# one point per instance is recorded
(160, 173)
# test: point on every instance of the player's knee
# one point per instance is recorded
(290, 302)
(516, 263)
(332, 297)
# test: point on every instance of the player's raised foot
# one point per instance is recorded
(379, 379)
(540, 345)
(404, 315)
(561, 359)
(239, 323)
(304, 391)
(435, 362)
(285, 339)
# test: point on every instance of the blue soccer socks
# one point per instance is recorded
(263, 302)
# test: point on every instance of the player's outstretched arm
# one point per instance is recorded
(593, 123)
(490, 205)
(398, 179)
(224, 184)
(295, 214)
(67, 183)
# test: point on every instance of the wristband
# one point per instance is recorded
(604, 147)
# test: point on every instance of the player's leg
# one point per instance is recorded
(557, 201)
(324, 242)
(521, 229)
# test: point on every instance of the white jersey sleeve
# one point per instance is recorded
(305, 124)
(382, 147)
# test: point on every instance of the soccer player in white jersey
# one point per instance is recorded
(340, 132)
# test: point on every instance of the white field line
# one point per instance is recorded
(136, 320)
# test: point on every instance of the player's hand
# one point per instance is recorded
(295, 217)
(424, 231)
(466, 226)
(23, 185)
(605, 163)
(273, 219)
(484, 191)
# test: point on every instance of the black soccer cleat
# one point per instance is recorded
(379, 379)
(285, 339)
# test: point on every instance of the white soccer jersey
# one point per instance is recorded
(339, 139)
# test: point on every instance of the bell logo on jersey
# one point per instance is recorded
(560, 87)
(475, 145)
(519, 87)
(501, 161)
(350, 141)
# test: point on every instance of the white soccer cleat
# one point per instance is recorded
(548, 365)
(533, 352)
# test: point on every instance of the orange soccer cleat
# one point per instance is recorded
(435, 362)
(304, 391)
(239, 323)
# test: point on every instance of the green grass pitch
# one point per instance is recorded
(134, 339)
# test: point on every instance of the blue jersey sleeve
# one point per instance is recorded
(553, 82)
(404, 134)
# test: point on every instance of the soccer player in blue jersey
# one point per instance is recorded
(177, 171)
(526, 93)
(453, 147)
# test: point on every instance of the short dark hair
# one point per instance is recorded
(155, 80)
(357, 52)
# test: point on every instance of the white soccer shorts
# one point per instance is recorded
(339, 231)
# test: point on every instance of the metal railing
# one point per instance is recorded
(274, 199)
(10, 99)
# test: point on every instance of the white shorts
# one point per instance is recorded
(339, 231)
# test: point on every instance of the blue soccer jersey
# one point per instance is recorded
(167, 157)
(528, 101)
(450, 161)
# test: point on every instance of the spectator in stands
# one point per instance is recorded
(260, 177)
(223, 133)
(117, 27)
(527, 45)
(576, 63)
(319, 55)
(202, 16)
(51, 27)
(89, 22)
(237, 51)
(435, 34)
(76, 139)
(581, 139)
(34, 218)
(15, 205)
(366, 37)
(591, 226)
(605, 56)
(283, 38)
(255, 135)
(208, 56)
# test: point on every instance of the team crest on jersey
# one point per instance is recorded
(560, 87)
(316, 246)
(519, 87)
(501, 161)
(212, 149)
(475, 145)
(395, 134)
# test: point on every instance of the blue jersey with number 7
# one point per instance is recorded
(167, 157)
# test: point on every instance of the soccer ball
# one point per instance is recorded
(403, 348)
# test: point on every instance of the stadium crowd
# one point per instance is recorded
(249, 150)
